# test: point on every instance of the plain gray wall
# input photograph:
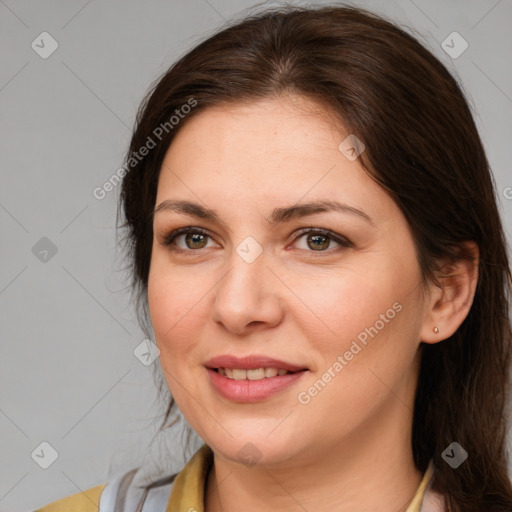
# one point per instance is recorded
(69, 376)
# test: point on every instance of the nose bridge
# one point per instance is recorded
(246, 294)
(246, 277)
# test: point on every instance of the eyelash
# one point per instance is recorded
(342, 241)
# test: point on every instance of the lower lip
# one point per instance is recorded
(252, 390)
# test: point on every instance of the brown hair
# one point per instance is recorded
(423, 147)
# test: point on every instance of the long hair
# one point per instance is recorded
(422, 146)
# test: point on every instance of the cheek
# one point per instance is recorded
(366, 353)
(173, 307)
(342, 305)
(174, 311)
(369, 312)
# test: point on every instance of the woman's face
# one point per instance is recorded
(332, 291)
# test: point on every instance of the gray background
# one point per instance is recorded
(68, 372)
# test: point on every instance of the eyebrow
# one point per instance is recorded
(278, 216)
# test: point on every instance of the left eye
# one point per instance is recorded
(196, 238)
(318, 240)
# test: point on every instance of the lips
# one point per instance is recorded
(251, 378)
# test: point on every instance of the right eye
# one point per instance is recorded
(194, 238)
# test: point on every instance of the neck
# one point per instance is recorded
(373, 470)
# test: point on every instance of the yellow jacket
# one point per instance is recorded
(184, 492)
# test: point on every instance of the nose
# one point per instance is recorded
(246, 296)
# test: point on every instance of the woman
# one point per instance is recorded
(316, 244)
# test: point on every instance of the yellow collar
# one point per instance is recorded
(188, 489)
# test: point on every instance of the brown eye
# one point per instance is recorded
(195, 238)
(320, 240)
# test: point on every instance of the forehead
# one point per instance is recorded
(275, 150)
(280, 124)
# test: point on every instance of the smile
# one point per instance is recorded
(253, 385)
(251, 374)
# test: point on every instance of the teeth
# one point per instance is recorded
(271, 372)
(239, 374)
(257, 374)
(252, 374)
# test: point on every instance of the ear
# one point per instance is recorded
(449, 301)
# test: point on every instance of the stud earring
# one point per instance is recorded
(436, 329)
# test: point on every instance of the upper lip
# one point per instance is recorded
(251, 362)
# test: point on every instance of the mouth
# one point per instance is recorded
(256, 365)
(252, 378)
(253, 373)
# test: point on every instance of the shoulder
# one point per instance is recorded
(86, 501)
(141, 489)
(432, 500)
(120, 494)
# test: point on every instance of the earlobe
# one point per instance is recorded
(450, 300)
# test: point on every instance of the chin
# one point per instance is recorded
(251, 450)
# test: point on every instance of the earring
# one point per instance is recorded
(436, 330)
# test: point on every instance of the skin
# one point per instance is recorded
(349, 448)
